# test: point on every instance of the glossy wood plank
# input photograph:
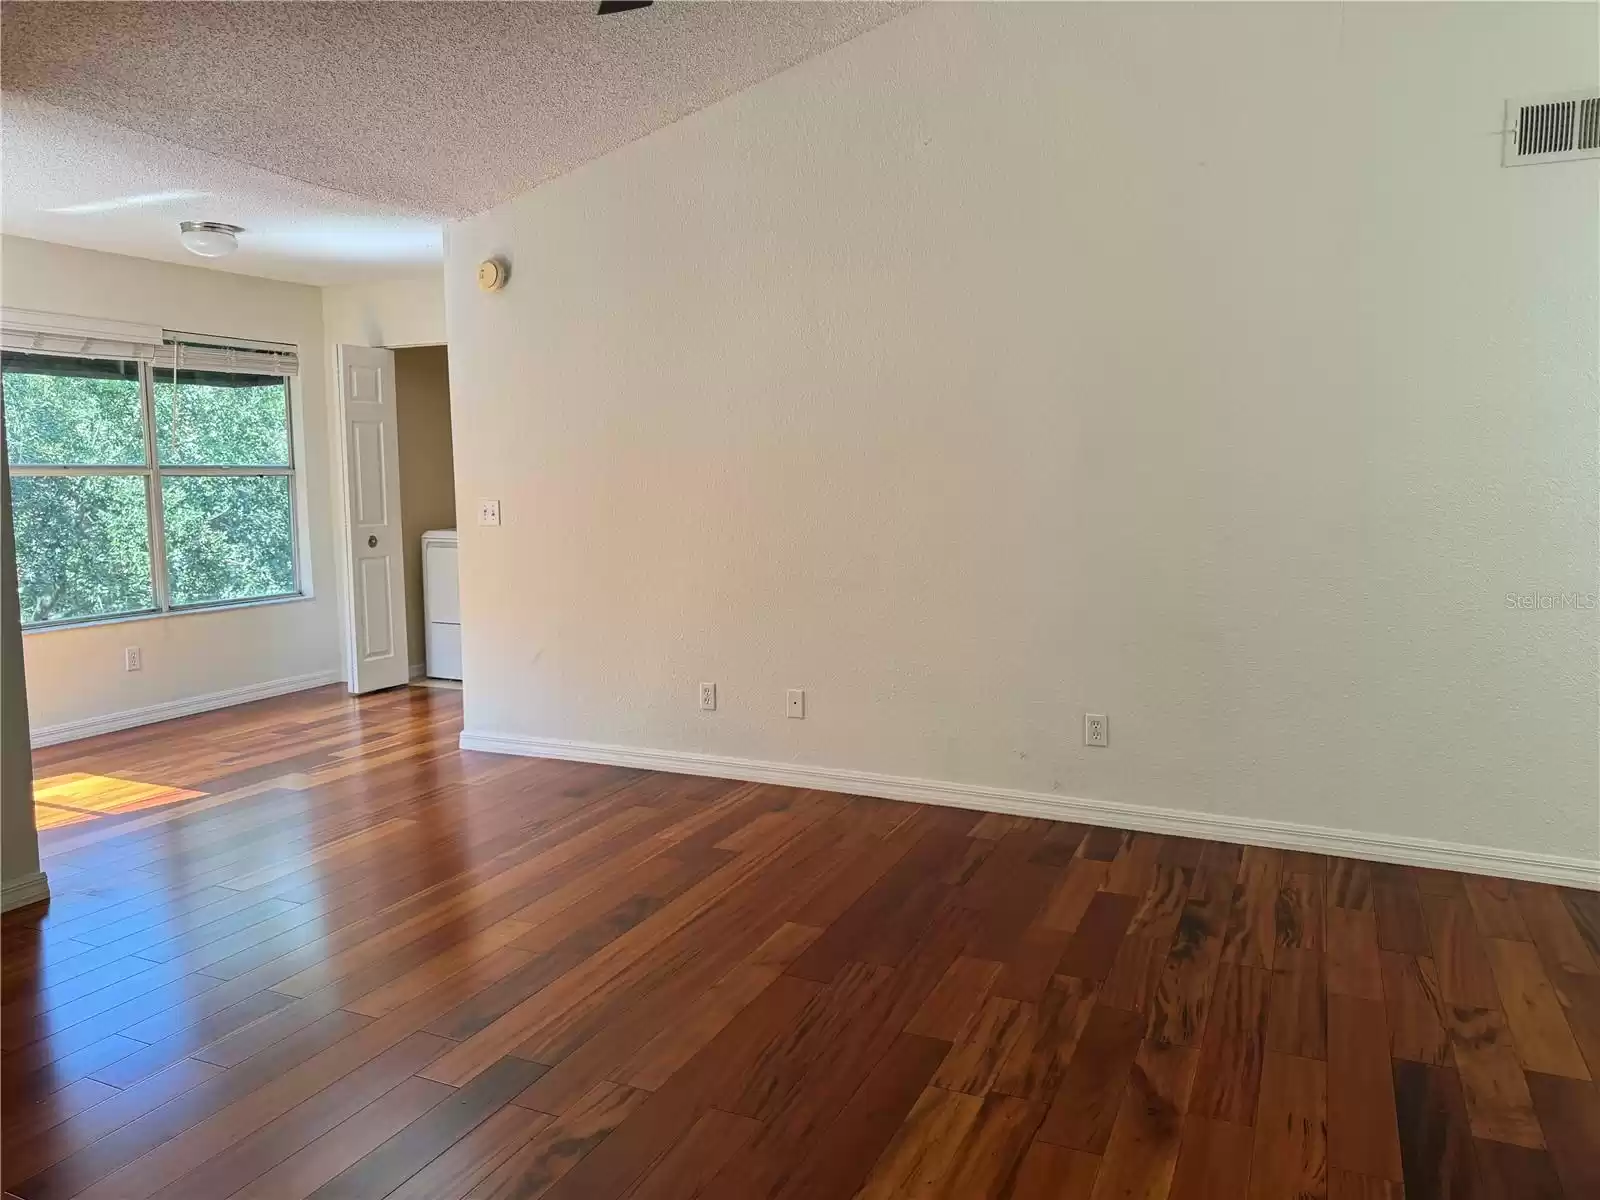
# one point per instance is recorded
(1081, 880)
(385, 1168)
(1234, 1045)
(1415, 1009)
(1553, 930)
(1093, 946)
(1516, 1172)
(1569, 1116)
(1213, 1160)
(1492, 1080)
(542, 1160)
(1297, 1018)
(1038, 1060)
(1436, 1146)
(1142, 1154)
(1401, 927)
(1347, 1185)
(1250, 936)
(1085, 1106)
(1539, 1026)
(352, 1139)
(1362, 1128)
(838, 1161)
(1494, 908)
(1352, 963)
(1183, 993)
(683, 1171)
(1458, 953)
(1349, 884)
(1290, 1153)
(1298, 912)
(1054, 1173)
(925, 1150)
(956, 999)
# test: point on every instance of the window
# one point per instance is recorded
(143, 485)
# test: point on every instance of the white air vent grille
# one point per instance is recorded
(1552, 128)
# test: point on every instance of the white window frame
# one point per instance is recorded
(153, 473)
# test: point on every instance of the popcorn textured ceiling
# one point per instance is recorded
(436, 108)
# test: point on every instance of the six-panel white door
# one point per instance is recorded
(375, 618)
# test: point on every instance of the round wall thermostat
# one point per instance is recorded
(492, 274)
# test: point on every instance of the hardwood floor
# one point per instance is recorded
(309, 948)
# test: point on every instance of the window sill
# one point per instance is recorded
(197, 610)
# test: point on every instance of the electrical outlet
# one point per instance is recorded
(132, 659)
(797, 703)
(708, 697)
(488, 512)
(1094, 730)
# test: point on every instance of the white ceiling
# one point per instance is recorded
(83, 182)
(343, 135)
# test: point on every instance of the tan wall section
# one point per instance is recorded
(427, 473)
(19, 842)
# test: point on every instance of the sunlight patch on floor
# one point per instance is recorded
(68, 799)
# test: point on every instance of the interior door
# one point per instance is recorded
(375, 617)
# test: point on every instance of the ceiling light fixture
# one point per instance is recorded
(209, 239)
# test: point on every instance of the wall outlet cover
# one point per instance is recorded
(133, 659)
(797, 704)
(1095, 731)
(708, 697)
(488, 512)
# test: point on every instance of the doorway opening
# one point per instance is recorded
(428, 513)
(402, 616)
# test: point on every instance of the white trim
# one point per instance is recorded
(27, 320)
(1284, 835)
(151, 614)
(71, 731)
(29, 889)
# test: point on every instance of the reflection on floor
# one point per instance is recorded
(67, 799)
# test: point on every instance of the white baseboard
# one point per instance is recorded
(28, 889)
(71, 731)
(1283, 835)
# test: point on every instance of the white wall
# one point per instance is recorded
(395, 312)
(1199, 365)
(75, 674)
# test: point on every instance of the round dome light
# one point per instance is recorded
(209, 239)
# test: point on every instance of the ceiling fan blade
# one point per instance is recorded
(607, 7)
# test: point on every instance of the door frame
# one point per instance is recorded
(342, 496)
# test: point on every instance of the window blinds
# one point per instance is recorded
(27, 332)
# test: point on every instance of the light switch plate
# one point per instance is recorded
(488, 512)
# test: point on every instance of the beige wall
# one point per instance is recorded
(75, 675)
(19, 841)
(1196, 364)
(427, 472)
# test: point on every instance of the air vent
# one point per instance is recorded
(1552, 129)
